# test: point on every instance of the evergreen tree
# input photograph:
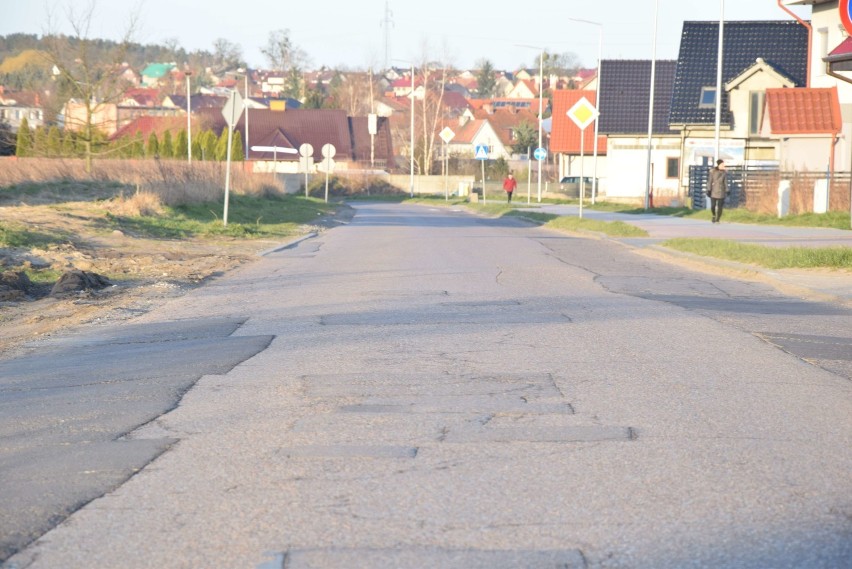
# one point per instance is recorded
(40, 141)
(68, 149)
(485, 80)
(152, 150)
(24, 140)
(167, 148)
(237, 149)
(137, 150)
(181, 145)
(54, 142)
(211, 141)
(222, 145)
(197, 153)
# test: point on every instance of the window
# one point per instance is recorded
(708, 98)
(672, 167)
(755, 111)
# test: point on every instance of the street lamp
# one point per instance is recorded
(648, 171)
(411, 143)
(245, 73)
(597, 102)
(540, 104)
(188, 120)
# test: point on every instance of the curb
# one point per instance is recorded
(763, 274)
(288, 244)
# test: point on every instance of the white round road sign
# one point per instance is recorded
(328, 150)
(306, 150)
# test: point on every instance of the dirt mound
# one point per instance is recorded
(14, 285)
(76, 281)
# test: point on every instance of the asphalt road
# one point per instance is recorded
(450, 391)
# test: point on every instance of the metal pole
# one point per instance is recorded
(246, 106)
(483, 181)
(529, 174)
(597, 117)
(228, 160)
(719, 82)
(597, 101)
(327, 168)
(651, 103)
(582, 169)
(188, 121)
(411, 166)
(540, 113)
(446, 172)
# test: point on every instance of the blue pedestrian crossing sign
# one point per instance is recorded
(481, 152)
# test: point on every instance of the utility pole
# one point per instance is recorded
(387, 22)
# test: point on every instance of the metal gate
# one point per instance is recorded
(698, 177)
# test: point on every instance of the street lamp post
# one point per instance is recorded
(648, 172)
(540, 105)
(597, 102)
(188, 120)
(411, 128)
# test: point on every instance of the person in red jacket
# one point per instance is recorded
(509, 184)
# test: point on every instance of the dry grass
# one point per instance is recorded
(762, 192)
(173, 182)
(136, 205)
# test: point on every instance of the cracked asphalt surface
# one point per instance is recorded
(444, 390)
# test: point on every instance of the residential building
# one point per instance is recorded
(15, 106)
(758, 55)
(565, 139)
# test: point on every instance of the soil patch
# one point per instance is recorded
(142, 273)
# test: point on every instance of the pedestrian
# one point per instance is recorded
(509, 184)
(717, 189)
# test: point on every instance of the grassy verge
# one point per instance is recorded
(611, 228)
(248, 217)
(770, 257)
(12, 235)
(834, 219)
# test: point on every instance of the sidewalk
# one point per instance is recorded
(822, 284)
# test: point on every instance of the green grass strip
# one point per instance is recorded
(610, 228)
(12, 235)
(770, 257)
(248, 217)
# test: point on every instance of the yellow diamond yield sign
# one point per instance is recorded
(583, 113)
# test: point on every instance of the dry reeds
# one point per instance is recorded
(173, 182)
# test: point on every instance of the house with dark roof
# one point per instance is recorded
(317, 127)
(757, 55)
(623, 128)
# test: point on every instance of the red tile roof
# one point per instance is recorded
(565, 135)
(148, 124)
(804, 111)
(845, 48)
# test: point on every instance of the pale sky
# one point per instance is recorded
(350, 33)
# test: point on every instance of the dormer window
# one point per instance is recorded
(708, 98)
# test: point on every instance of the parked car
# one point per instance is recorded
(570, 185)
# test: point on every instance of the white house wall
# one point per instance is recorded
(805, 154)
(627, 162)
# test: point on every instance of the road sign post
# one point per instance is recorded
(231, 116)
(328, 152)
(306, 151)
(481, 154)
(583, 113)
(447, 135)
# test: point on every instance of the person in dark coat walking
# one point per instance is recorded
(509, 184)
(717, 189)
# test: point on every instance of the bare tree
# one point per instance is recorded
(281, 53)
(353, 91)
(433, 78)
(227, 55)
(92, 80)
